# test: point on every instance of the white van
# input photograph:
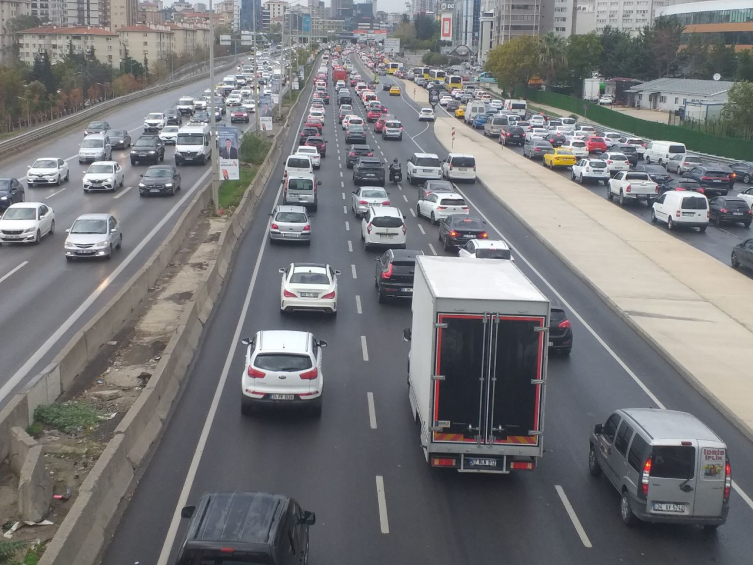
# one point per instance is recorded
(192, 145)
(473, 109)
(662, 151)
(681, 208)
(517, 107)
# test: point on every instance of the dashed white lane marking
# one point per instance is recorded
(573, 516)
(342, 184)
(382, 503)
(353, 271)
(350, 246)
(341, 173)
(347, 226)
(400, 187)
(343, 196)
(364, 348)
(123, 192)
(15, 269)
(358, 304)
(405, 198)
(345, 208)
(413, 212)
(421, 229)
(56, 192)
(372, 410)
(432, 249)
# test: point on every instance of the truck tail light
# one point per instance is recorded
(727, 480)
(255, 373)
(645, 476)
(443, 462)
(310, 375)
(522, 465)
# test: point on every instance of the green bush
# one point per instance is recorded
(70, 417)
(254, 149)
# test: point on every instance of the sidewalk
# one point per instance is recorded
(693, 309)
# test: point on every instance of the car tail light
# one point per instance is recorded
(609, 161)
(453, 233)
(255, 373)
(352, 154)
(629, 188)
(724, 211)
(727, 480)
(368, 228)
(307, 228)
(288, 294)
(275, 227)
(404, 231)
(706, 178)
(507, 134)
(386, 203)
(483, 235)
(749, 212)
(388, 273)
(441, 207)
(310, 375)
(645, 476)
(328, 296)
(564, 325)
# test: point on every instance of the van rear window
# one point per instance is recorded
(693, 203)
(463, 162)
(677, 149)
(387, 222)
(299, 163)
(427, 162)
(300, 184)
(673, 462)
(518, 106)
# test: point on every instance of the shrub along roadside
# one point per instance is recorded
(254, 150)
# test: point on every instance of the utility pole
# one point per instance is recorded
(290, 66)
(215, 162)
(256, 80)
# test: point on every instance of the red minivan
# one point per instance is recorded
(596, 144)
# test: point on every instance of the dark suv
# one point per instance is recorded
(356, 152)
(394, 273)
(512, 135)
(246, 527)
(173, 118)
(369, 171)
(455, 230)
(715, 180)
(729, 209)
(11, 192)
(560, 331)
(148, 148)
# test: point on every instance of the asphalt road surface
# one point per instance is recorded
(367, 437)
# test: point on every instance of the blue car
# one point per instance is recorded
(479, 120)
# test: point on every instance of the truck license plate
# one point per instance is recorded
(477, 462)
(283, 396)
(667, 507)
(406, 290)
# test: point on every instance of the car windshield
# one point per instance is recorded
(300, 184)
(154, 117)
(99, 168)
(355, 121)
(373, 193)
(308, 277)
(597, 164)
(158, 173)
(565, 152)
(97, 125)
(282, 362)
(185, 101)
(345, 107)
(4, 184)
(392, 124)
(291, 217)
(89, 226)
(144, 143)
(493, 253)
(577, 144)
(20, 214)
(308, 150)
(189, 139)
(427, 162)
(467, 223)
(43, 164)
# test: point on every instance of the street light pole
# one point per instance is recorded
(256, 80)
(213, 125)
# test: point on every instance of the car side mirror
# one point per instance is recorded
(407, 334)
(142, 176)
(309, 518)
(321, 343)
(28, 166)
(318, 183)
(598, 429)
(281, 270)
(247, 341)
(187, 511)
(68, 230)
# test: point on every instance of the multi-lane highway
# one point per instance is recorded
(366, 436)
(45, 298)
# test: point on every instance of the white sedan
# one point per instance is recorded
(426, 115)
(308, 286)
(747, 195)
(26, 222)
(104, 175)
(47, 170)
(486, 249)
(444, 100)
(367, 196)
(312, 153)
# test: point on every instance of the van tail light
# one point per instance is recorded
(368, 228)
(727, 480)
(288, 294)
(483, 235)
(656, 190)
(255, 373)
(474, 168)
(724, 211)
(564, 325)
(328, 296)
(388, 273)
(629, 188)
(310, 375)
(645, 476)
(404, 230)
(677, 213)
(285, 174)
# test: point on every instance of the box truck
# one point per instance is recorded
(477, 364)
(591, 89)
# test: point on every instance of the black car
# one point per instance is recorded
(656, 173)
(310, 131)
(394, 273)
(344, 99)
(742, 254)
(452, 105)
(148, 148)
(173, 118)
(355, 136)
(386, 86)
(246, 527)
(556, 139)
(713, 178)
(680, 184)
(96, 127)
(369, 171)
(11, 192)
(455, 230)
(325, 97)
(730, 209)
(431, 186)
(201, 117)
(628, 151)
(512, 135)
(356, 152)
(743, 171)
(560, 331)
(119, 138)
(160, 179)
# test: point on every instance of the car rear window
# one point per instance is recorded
(370, 164)
(598, 164)
(621, 157)
(715, 174)
(493, 253)
(427, 162)
(467, 223)
(404, 262)
(693, 203)
(307, 277)
(597, 139)
(387, 222)
(577, 144)
(282, 362)
(299, 162)
(292, 217)
(677, 149)
(736, 204)
(673, 462)
(463, 162)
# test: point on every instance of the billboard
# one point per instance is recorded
(265, 112)
(247, 38)
(306, 23)
(392, 45)
(228, 140)
(446, 28)
(225, 40)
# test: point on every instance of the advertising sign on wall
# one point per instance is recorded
(265, 112)
(229, 144)
(446, 29)
(306, 23)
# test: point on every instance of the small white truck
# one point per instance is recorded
(632, 185)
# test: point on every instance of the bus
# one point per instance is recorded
(426, 71)
(453, 81)
(393, 67)
(436, 74)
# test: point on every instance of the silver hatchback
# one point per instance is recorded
(290, 223)
(93, 235)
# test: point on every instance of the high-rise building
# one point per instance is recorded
(250, 11)
(513, 18)
(123, 13)
(586, 18)
(626, 15)
(10, 9)
(86, 13)
(51, 12)
(727, 21)
(559, 17)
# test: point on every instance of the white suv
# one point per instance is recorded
(459, 166)
(383, 226)
(423, 166)
(438, 205)
(282, 368)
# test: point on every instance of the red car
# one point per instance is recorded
(314, 124)
(319, 143)
(353, 82)
(380, 122)
(239, 115)
(596, 144)
(373, 115)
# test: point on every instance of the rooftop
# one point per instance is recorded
(62, 30)
(691, 87)
(709, 6)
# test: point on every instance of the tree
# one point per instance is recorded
(42, 71)
(663, 41)
(405, 31)
(721, 59)
(615, 53)
(744, 66)
(738, 111)
(694, 58)
(15, 25)
(515, 62)
(426, 27)
(552, 55)
(583, 56)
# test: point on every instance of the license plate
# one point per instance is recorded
(462, 169)
(715, 180)
(688, 213)
(282, 396)
(289, 235)
(12, 237)
(309, 295)
(428, 171)
(406, 290)
(666, 507)
(737, 213)
(477, 462)
(84, 252)
(154, 190)
(387, 235)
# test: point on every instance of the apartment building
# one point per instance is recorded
(559, 17)
(188, 39)
(57, 41)
(49, 12)
(626, 15)
(154, 43)
(123, 13)
(10, 9)
(150, 13)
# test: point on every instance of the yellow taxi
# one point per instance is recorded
(460, 112)
(559, 157)
(395, 90)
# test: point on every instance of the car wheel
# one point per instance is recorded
(746, 224)
(670, 224)
(580, 179)
(734, 262)
(702, 229)
(610, 196)
(418, 210)
(120, 242)
(109, 255)
(622, 198)
(648, 159)
(718, 220)
(381, 298)
(67, 175)
(653, 216)
(746, 178)
(52, 228)
(38, 237)
(593, 463)
(133, 161)
(59, 181)
(626, 513)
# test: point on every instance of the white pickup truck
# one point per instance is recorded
(627, 185)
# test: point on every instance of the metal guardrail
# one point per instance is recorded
(29, 137)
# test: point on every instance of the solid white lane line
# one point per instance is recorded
(350, 245)
(16, 268)
(405, 198)
(345, 208)
(421, 229)
(358, 304)
(432, 249)
(372, 410)
(353, 271)
(347, 226)
(364, 349)
(413, 212)
(56, 192)
(573, 516)
(123, 192)
(382, 503)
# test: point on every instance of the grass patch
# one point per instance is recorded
(231, 191)
(254, 149)
(70, 417)
(9, 551)
(35, 429)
